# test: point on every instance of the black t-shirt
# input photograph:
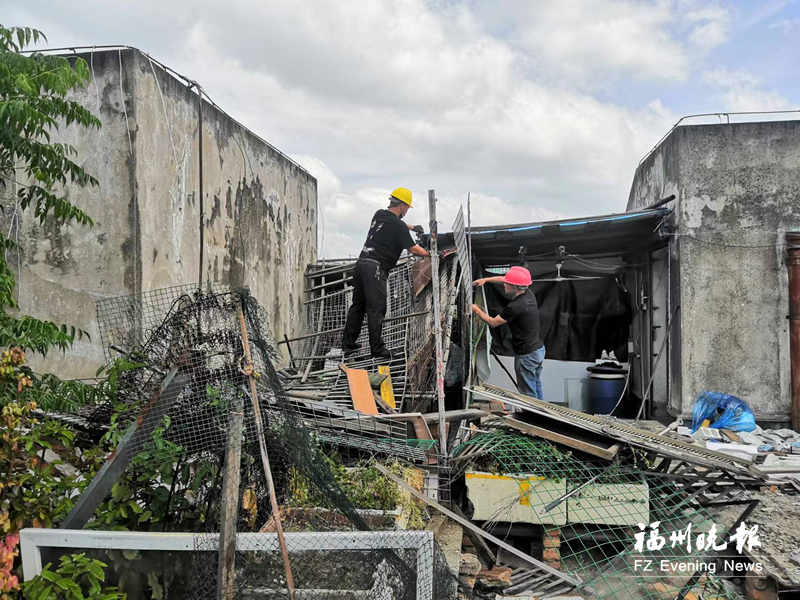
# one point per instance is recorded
(522, 314)
(387, 238)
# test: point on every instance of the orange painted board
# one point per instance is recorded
(361, 391)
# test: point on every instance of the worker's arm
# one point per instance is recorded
(419, 251)
(495, 279)
(491, 321)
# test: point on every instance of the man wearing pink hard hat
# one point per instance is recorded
(522, 317)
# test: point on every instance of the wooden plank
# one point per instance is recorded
(477, 530)
(437, 317)
(262, 444)
(229, 517)
(421, 428)
(381, 404)
(464, 414)
(361, 391)
(572, 440)
(387, 391)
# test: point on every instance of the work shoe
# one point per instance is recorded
(350, 350)
(382, 355)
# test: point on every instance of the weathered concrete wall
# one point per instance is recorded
(64, 268)
(259, 209)
(737, 187)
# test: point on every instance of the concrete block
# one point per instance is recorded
(515, 499)
(610, 504)
(706, 433)
(745, 451)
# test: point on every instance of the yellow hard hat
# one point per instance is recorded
(403, 195)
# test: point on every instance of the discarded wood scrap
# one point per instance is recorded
(360, 390)
(567, 435)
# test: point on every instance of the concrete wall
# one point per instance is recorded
(260, 209)
(736, 188)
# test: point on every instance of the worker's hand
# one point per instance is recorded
(479, 282)
(476, 309)
(418, 229)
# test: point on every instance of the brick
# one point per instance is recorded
(552, 557)
(551, 542)
(495, 575)
(469, 565)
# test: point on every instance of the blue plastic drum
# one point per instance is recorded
(604, 392)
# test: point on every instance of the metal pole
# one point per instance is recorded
(264, 456)
(437, 319)
(202, 216)
(793, 265)
(468, 309)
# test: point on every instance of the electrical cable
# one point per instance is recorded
(188, 82)
(94, 79)
(624, 388)
(502, 366)
(164, 107)
(122, 99)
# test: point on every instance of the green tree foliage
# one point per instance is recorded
(35, 491)
(34, 105)
(76, 578)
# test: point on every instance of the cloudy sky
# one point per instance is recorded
(540, 109)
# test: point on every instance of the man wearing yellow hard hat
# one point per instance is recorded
(387, 238)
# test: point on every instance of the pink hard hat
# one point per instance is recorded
(518, 276)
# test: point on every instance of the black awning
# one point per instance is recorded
(607, 235)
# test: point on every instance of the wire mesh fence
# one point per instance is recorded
(596, 516)
(209, 441)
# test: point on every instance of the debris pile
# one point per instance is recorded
(542, 501)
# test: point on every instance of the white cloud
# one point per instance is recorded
(721, 77)
(709, 26)
(740, 91)
(651, 40)
(786, 26)
(372, 95)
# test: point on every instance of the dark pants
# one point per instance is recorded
(369, 296)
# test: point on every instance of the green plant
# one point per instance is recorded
(76, 578)
(34, 104)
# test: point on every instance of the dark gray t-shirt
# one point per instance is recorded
(522, 314)
(387, 238)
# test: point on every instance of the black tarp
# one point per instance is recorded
(579, 319)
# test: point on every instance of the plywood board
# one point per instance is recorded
(361, 391)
